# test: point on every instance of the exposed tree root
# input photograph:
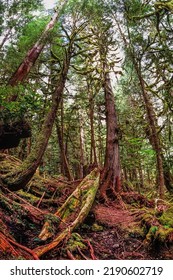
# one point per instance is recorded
(15, 250)
(134, 197)
(6, 248)
(70, 255)
(31, 252)
(91, 250)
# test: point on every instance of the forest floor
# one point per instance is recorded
(130, 227)
(122, 236)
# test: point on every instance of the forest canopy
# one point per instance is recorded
(86, 103)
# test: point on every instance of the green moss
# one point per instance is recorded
(167, 5)
(85, 226)
(164, 235)
(136, 232)
(148, 221)
(52, 218)
(75, 242)
(95, 227)
(70, 207)
(29, 197)
(159, 229)
(167, 218)
(52, 222)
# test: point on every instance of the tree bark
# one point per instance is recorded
(32, 55)
(82, 146)
(141, 176)
(100, 140)
(65, 168)
(111, 176)
(153, 134)
(93, 155)
(154, 138)
(19, 178)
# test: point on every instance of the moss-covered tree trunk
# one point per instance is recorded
(93, 154)
(151, 118)
(164, 5)
(65, 168)
(22, 175)
(111, 176)
(155, 141)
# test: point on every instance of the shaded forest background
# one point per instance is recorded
(86, 121)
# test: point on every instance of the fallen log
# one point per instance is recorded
(72, 213)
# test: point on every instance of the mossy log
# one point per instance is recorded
(72, 213)
(23, 209)
(37, 186)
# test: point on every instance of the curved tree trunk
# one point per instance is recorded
(32, 55)
(24, 68)
(19, 178)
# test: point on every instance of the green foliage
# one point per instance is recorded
(27, 104)
(31, 33)
(14, 14)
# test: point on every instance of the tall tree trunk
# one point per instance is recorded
(93, 155)
(150, 115)
(65, 168)
(24, 68)
(82, 147)
(153, 133)
(100, 140)
(19, 178)
(32, 55)
(111, 176)
(141, 176)
(148, 176)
